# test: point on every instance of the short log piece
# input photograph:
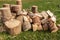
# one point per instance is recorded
(6, 14)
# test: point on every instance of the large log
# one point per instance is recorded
(13, 26)
(6, 14)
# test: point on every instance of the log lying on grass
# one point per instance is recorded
(13, 26)
(6, 14)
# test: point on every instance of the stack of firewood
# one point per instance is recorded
(15, 20)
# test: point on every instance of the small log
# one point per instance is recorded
(6, 14)
(15, 9)
(34, 9)
(50, 13)
(52, 26)
(13, 26)
(44, 14)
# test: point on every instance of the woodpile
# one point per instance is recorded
(15, 20)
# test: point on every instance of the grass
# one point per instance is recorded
(53, 5)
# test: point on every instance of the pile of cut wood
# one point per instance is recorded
(15, 20)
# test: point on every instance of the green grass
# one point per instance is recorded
(38, 35)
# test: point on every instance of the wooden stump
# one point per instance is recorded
(13, 26)
(34, 9)
(6, 14)
(15, 9)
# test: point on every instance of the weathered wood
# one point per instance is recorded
(44, 14)
(34, 27)
(34, 9)
(6, 14)
(13, 26)
(50, 13)
(15, 9)
(52, 26)
(36, 20)
(26, 24)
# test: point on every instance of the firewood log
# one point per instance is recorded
(34, 9)
(15, 9)
(13, 26)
